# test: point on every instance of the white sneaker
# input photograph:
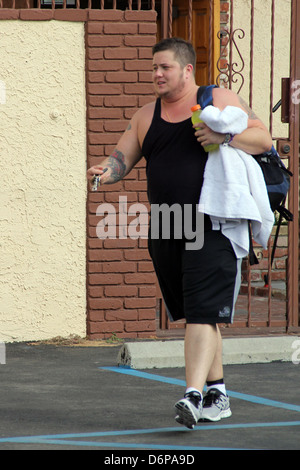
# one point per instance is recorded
(189, 409)
(215, 406)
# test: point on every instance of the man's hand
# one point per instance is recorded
(206, 136)
(113, 168)
(95, 171)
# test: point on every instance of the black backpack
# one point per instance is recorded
(277, 179)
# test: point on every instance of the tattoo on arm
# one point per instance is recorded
(117, 166)
(248, 110)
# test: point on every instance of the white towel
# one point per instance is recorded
(234, 190)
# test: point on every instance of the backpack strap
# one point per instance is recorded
(205, 95)
(283, 214)
(252, 256)
(266, 276)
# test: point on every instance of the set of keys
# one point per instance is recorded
(96, 181)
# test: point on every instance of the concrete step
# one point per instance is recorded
(153, 354)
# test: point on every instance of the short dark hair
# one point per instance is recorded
(184, 51)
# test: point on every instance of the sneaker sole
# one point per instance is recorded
(185, 415)
(221, 415)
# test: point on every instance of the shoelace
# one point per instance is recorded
(212, 398)
(195, 398)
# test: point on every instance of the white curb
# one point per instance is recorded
(170, 353)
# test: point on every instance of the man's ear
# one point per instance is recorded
(189, 69)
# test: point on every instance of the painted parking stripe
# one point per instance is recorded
(74, 439)
(132, 432)
(68, 439)
(240, 396)
(120, 445)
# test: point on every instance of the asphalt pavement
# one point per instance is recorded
(76, 398)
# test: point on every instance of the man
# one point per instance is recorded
(195, 284)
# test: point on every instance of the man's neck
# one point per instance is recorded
(179, 108)
(178, 99)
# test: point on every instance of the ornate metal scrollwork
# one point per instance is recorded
(232, 72)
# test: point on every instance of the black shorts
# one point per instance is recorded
(198, 285)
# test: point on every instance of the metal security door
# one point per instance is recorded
(290, 112)
(260, 308)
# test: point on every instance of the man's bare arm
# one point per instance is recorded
(247, 109)
(117, 166)
(127, 153)
(256, 138)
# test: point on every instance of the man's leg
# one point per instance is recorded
(204, 364)
(209, 283)
(216, 403)
(216, 370)
(201, 344)
(201, 347)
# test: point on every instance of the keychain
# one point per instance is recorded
(96, 181)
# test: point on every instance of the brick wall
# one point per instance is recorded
(121, 284)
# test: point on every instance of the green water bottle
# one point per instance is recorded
(196, 110)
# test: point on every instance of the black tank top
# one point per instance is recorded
(175, 161)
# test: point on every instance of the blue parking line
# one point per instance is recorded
(240, 396)
(68, 439)
(132, 432)
(144, 375)
(120, 445)
(90, 439)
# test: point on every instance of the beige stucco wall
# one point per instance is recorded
(43, 185)
(262, 55)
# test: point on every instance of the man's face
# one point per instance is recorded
(168, 75)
